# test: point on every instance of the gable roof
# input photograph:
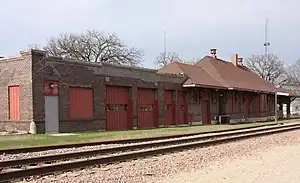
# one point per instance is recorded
(235, 77)
(197, 75)
(212, 72)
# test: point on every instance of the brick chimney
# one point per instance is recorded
(234, 59)
(213, 53)
(240, 61)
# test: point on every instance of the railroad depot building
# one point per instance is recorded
(44, 94)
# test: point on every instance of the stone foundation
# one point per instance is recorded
(14, 126)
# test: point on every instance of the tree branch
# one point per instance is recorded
(94, 46)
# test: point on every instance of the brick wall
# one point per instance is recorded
(237, 109)
(30, 69)
(80, 74)
(16, 71)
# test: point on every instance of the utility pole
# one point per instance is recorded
(275, 106)
(165, 40)
(266, 45)
(165, 44)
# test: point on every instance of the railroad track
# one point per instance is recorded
(62, 162)
(124, 141)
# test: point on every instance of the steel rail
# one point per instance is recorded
(6, 176)
(124, 141)
(131, 147)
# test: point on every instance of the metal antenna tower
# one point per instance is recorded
(266, 43)
(165, 42)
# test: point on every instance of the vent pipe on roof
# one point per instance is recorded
(213, 53)
(240, 61)
(234, 59)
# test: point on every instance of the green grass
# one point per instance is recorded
(28, 140)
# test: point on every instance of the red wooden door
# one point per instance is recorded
(181, 112)
(14, 102)
(257, 105)
(265, 104)
(168, 108)
(118, 108)
(246, 105)
(230, 104)
(205, 112)
(146, 108)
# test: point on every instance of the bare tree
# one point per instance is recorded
(294, 75)
(34, 46)
(269, 67)
(165, 58)
(94, 46)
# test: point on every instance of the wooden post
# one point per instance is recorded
(288, 108)
(275, 106)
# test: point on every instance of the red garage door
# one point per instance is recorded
(146, 109)
(118, 108)
(168, 108)
(181, 108)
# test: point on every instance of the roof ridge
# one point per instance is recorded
(222, 73)
(249, 71)
(219, 75)
(198, 67)
(179, 65)
(187, 64)
(182, 69)
(217, 79)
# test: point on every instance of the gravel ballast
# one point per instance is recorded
(5, 157)
(164, 168)
(278, 165)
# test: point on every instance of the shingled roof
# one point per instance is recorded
(197, 75)
(212, 72)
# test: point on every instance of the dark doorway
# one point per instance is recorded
(222, 104)
(205, 109)
(246, 105)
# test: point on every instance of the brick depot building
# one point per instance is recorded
(44, 94)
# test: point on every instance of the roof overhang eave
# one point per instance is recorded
(189, 85)
(283, 94)
(203, 86)
(250, 90)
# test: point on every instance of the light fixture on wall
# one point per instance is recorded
(50, 88)
(51, 85)
(214, 96)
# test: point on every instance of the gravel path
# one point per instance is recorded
(5, 157)
(170, 167)
(278, 165)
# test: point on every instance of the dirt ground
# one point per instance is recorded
(278, 165)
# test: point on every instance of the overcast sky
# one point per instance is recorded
(192, 26)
